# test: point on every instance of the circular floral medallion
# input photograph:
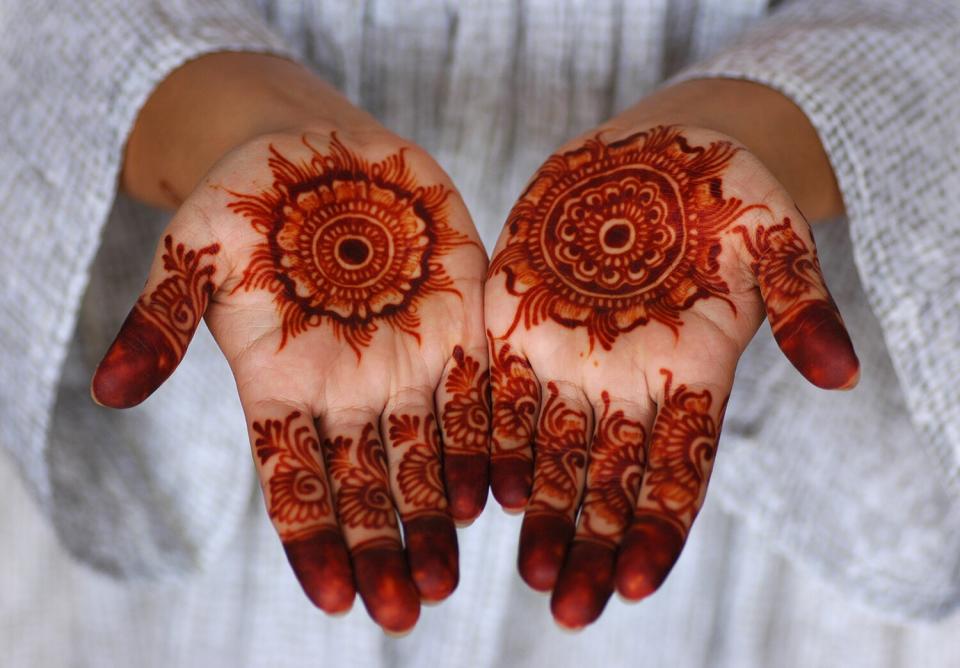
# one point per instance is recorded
(612, 235)
(348, 242)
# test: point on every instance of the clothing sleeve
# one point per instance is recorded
(880, 82)
(73, 77)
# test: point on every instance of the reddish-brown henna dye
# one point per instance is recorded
(680, 456)
(614, 473)
(361, 489)
(155, 335)
(466, 434)
(610, 236)
(515, 393)
(561, 447)
(802, 315)
(348, 242)
(299, 503)
(430, 533)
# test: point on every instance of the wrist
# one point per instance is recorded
(220, 101)
(764, 121)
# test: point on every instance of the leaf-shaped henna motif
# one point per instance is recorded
(518, 396)
(561, 454)
(348, 242)
(616, 468)
(683, 446)
(360, 469)
(419, 475)
(611, 236)
(298, 493)
(466, 422)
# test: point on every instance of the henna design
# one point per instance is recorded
(610, 236)
(419, 470)
(561, 455)
(363, 499)
(802, 315)
(466, 417)
(298, 490)
(617, 460)
(155, 335)
(681, 452)
(348, 242)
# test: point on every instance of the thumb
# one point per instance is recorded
(154, 337)
(802, 314)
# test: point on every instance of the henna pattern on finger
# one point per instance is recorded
(298, 492)
(155, 335)
(466, 415)
(360, 470)
(419, 471)
(348, 242)
(616, 463)
(614, 235)
(801, 312)
(561, 455)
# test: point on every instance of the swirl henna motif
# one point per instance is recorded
(359, 469)
(155, 335)
(348, 242)
(516, 400)
(681, 453)
(617, 460)
(299, 497)
(611, 236)
(419, 474)
(802, 315)
(547, 527)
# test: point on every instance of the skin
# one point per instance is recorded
(583, 426)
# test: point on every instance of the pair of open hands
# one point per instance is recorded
(346, 285)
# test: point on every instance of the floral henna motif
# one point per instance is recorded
(419, 474)
(298, 502)
(299, 496)
(802, 315)
(155, 335)
(348, 242)
(561, 453)
(360, 471)
(680, 456)
(613, 235)
(466, 416)
(617, 460)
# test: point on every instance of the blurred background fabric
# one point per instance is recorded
(829, 536)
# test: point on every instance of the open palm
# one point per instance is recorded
(341, 277)
(629, 278)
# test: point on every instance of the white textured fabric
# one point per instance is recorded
(860, 487)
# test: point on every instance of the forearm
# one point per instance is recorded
(773, 128)
(214, 103)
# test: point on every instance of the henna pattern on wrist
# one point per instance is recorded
(611, 236)
(348, 242)
(680, 456)
(802, 315)
(466, 434)
(155, 335)
(516, 399)
(298, 501)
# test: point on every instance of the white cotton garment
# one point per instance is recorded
(830, 529)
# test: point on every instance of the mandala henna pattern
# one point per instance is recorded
(682, 449)
(297, 489)
(348, 242)
(561, 455)
(617, 459)
(155, 335)
(611, 236)
(466, 416)
(360, 471)
(419, 471)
